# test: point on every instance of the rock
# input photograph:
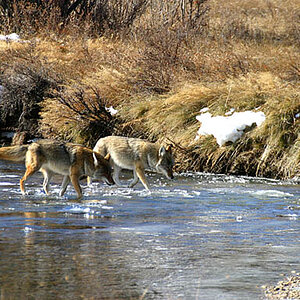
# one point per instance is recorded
(286, 289)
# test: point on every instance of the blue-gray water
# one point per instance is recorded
(199, 236)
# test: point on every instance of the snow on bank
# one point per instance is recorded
(10, 37)
(13, 37)
(111, 110)
(229, 128)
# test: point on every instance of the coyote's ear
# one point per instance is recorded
(169, 148)
(107, 157)
(162, 151)
(96, 163)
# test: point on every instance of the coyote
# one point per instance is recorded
(137, 155)
(49, 157)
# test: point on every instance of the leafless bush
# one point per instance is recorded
(28, 17)
(175, 14)
(93, 17)
(79, 115)
(25, 84)
(167, 36)
(158, 61)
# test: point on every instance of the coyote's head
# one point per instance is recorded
(165, 161)
(102, 168)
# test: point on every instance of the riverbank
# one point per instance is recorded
(161, 74)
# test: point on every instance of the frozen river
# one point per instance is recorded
(199, 236)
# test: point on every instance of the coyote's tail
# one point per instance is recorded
(14, 153)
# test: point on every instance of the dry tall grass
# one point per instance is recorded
(170, 62)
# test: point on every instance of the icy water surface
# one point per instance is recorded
(197, 237)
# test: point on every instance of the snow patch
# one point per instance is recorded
(10, 37)
(230, 112)
(229, 128)
(204, 110)
(111, 110)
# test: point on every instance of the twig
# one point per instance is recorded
(178, 146)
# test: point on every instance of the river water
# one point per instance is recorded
(199, 236)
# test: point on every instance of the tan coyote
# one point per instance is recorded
(49, 157)
(137, 155)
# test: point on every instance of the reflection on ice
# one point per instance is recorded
(27, 229)
(272, 193)
(122, 192)
(219, 178)
(87, 209)
(76, 209)
(239, 218)
(6, 183)
(8, 176)
(292, 217)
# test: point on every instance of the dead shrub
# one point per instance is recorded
(86, 17)
(26, 83)
(158, 62)
(167, 31)
(77, 114)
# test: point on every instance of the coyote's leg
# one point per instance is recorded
(65, 182)
(135, 180)
(30, 170)
(75, 182)
(140, 171)
(116, 175)
(47, 176)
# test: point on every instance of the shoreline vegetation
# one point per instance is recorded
(158, 64)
